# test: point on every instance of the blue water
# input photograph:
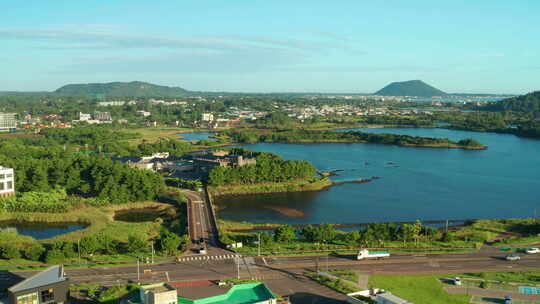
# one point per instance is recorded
(40, 231)
(415, 183)
(196, 135)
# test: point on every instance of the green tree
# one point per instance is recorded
(9, 252)
(34, 252)
(284, 233)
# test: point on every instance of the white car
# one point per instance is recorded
(532, 250)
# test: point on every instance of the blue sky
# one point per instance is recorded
(483, 46)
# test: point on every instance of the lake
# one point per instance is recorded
(41, 231)
(415, 183)
(196, 135)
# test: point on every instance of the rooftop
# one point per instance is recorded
(238, 294)
(48, 276)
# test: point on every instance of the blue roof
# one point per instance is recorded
(48, 276)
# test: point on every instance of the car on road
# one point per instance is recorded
(202, 250)
(457, 281)
(532, 250)
(512, 257)
(508, 300)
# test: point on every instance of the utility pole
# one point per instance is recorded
(152, 251)
(138, 274)
(238, 267)
(259, 243)
(327, 262)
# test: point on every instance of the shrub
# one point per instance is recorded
(34, 252)
(8, 252)
(54, 256)
(485, 285)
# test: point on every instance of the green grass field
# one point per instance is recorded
(422, 289)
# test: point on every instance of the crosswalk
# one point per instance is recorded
(208, 258)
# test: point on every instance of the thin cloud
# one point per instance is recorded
(59, 39)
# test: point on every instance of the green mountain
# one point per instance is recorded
(524, 103)
(410, 88)
(120, 89)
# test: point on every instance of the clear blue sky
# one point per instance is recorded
(484, 46)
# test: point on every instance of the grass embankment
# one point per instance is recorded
(531, 277)
(314, 184)
(423, 289)
(502, 231)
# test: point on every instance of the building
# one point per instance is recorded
(252, 293)
(84, 116)
(143, 113)
(8, 122)
(111, 103)
(161, 293)
(209, 117)
(48, 286)
(205, 163)
(7, 181)
(375, 295)
(102, 116)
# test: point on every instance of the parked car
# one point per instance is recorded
(532, 250)
(512, 257)
(457, 281)
(202, 250)
(508, 300)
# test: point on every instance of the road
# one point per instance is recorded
(200, 221)
(221, 266)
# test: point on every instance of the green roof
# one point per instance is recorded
(238, 294)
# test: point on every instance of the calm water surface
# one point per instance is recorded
(415, 183)
(40, 231)
(196, 135)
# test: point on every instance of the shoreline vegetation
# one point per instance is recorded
(302, 136)
(299, 185)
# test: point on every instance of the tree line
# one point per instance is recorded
(268, 168)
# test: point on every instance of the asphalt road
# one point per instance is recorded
(214, 268)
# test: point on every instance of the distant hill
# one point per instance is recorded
(524, 103)
(410, 88)
(120, 89)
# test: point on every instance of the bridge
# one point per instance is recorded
(201, 219)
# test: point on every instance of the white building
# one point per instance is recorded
(8, 122)
(7, 181)
(111, 103)
(84, 116)
(143, 113)
(208, 117)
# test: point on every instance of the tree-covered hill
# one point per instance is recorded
(120, 89)
(524, 103)
(410, 88)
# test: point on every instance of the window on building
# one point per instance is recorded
(2, 176)
(9, 175)
(2, 186)
(9, 185)
(28, 299)
(47, 295)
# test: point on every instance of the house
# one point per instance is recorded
(161, 293)
(7, 181)
(102, 116)
(48, 286)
